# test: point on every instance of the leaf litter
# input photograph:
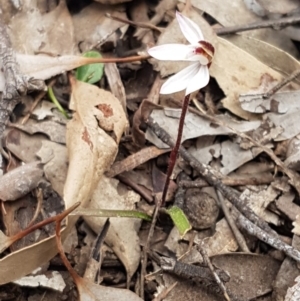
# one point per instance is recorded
(106, 158)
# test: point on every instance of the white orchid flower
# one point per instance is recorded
(200, 52)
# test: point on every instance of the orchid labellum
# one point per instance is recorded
(199, 52)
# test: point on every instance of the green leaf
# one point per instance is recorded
(56, 102)
(112, 213)
(91, 73)
(180, 220)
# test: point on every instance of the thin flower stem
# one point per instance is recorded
(160, 202)
(174, 152)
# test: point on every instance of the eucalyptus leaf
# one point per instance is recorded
(91, 73)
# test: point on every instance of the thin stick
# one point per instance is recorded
(147, 244)
(164, 293)
(276, 24)
(39, 198)
(207, 261)
(212, 176)
(275, 242)
(45, 222)
(236, 232)
(277, 87)
(36, 102)
(136, 187)
(135, 24)
(258, 179)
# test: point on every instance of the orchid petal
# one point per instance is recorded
(180, 80)
(189, 28)
(198, 81)
(173, 52)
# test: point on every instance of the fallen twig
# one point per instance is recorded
(275, 242)
(147, 244)
(276, 24)
(216, 276)
(284, 82)
(213, 177)
(135, 24)
(200, 275)
(237, 234)
(293, 176)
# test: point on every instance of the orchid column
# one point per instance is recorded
(192, 78)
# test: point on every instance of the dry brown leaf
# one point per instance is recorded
(249, 279)
(122, 234)
(138, 12)
(91, 149)
(259, 200)
(89, 291)
(293, 293)
(53, 280)
(20, 181)
(45, 66)
(231, 69)
(232, 13)
(115, 83)
(280, 102)
(91, 152)
(296, 224)
(195, 126)
(49, 33)
(54, 156)
(22, 145)
(269, 7)
(134, 160)
(43, 110)
(54, 130)
(223, 241)
(286, 275)
(99, 28)
(231, 155)
(286, 205)
(293, 154)
(265, 52)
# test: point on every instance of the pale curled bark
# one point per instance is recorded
(16, 84)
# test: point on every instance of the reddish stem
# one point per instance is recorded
(174, 152)
(92, 60)
(43, 223)
(61, 252)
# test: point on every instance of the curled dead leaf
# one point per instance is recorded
(86, 166)
(19, 181)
